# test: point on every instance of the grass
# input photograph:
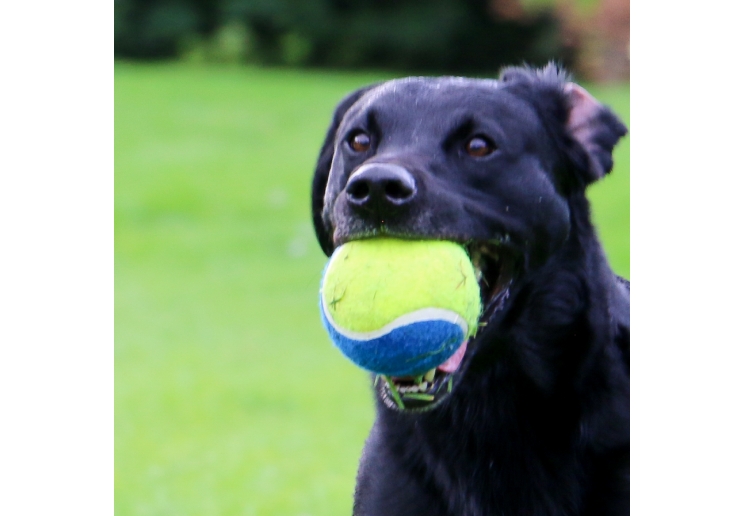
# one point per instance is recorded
(229, 398)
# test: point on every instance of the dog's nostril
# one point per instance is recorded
(398, 190)
(358, 190)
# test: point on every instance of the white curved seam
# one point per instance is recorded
(421, 315)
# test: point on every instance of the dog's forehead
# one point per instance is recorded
(422, 91)
(415, 102)
(433, 85)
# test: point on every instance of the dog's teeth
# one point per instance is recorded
(419, 387)
(429, 376)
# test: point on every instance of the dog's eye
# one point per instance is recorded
(360, 142)
(479, 147)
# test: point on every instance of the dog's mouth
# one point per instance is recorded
(495, 267)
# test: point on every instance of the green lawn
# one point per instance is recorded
(229, 398)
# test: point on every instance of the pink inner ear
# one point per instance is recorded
(583, 108)
(582, 123)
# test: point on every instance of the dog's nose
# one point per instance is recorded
(380, 187)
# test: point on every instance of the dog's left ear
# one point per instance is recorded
(595, 128)
(323, 168)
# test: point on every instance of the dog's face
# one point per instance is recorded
(489, 164)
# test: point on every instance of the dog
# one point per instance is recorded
(537, 417)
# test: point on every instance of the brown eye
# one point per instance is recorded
(360, 142)
(479, 147)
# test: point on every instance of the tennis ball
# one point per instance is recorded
(399, 307)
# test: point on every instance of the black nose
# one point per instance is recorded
(380, 187)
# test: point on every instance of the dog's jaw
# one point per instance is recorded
(495, 270)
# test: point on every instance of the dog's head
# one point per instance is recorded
(492, 164)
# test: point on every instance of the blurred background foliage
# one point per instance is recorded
(440, 36)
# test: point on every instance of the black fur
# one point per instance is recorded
(538, 420)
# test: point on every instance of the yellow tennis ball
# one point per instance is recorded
(400, 307)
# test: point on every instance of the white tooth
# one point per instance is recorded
(429, 376)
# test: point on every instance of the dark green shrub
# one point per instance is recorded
(425, 35)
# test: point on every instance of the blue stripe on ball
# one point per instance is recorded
(404, 351)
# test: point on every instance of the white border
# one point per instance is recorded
(686, 217)
(56, 278)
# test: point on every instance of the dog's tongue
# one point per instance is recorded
(453, 362)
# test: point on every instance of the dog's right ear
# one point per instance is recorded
(323, 168)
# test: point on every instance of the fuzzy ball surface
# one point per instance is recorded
(399, 307)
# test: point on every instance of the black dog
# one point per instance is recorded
(537, 420)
